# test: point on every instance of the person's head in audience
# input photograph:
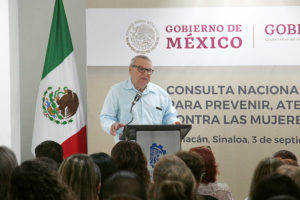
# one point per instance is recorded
(79, 172)
(122, 185)
(8, 162)
(289, 162)
(106, 165)
(194, 162)
(291, 171)
(285, 154)
(264, 168)
(172, 179)
(33, 180)
(129, 156)
(210, 165)
(52, 165)
(273, 185)
(50, 149)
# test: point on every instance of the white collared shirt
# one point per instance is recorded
(154, 107)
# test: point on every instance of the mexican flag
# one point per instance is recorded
(59, 112)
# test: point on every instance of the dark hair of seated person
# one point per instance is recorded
(275, 184)
(33, 180)
(194, 161)
(50, 149)
(264, 168)
(105, 163)
(285, 154)
(8, 162)
(50, 163)
(124, 183)
(129, 156)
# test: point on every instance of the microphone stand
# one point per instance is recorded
(136, 99)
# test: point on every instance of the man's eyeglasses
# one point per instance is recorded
(142, 69)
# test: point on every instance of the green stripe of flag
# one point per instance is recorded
(60, 43)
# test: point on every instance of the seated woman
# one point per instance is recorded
(208, 183)
(130, 156)
(82, 175)
(172, 179)
(264, 168)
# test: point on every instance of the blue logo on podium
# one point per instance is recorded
(156, 151)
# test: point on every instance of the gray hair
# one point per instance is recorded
(139, 56)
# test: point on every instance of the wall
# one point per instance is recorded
(9, 76)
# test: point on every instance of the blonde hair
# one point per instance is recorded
(78, 171)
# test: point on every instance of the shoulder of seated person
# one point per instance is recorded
(223, 186)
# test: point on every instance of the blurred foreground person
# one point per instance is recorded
(264, 168)
(79, 172)
(291, 171)
(51, 150)
(172, 180)
(34, 181)
(106, 165)
(273, 185)
(196, 165)
(129, 156)
(285, 154)
(124, 185)
(8, 162)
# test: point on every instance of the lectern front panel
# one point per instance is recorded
(155, 144)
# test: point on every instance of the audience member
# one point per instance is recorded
(34, 181)
(78, 171)
(275, 184)
(264, 168)
(8, 162)
(172, 179)
(291, 171)
(123, 185)
(285, 154)
(106, 165)
(209, 185)
(196, 164)
(129, 156)
(289, 162)
(51, 164)
(50, 149)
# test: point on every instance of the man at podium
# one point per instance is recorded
(136, 101)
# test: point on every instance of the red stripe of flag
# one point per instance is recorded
(77, 143)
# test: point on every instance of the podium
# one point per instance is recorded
(156, 140)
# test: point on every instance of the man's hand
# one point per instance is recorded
(177, 123)
(114, 127)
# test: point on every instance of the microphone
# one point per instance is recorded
(135, 100)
